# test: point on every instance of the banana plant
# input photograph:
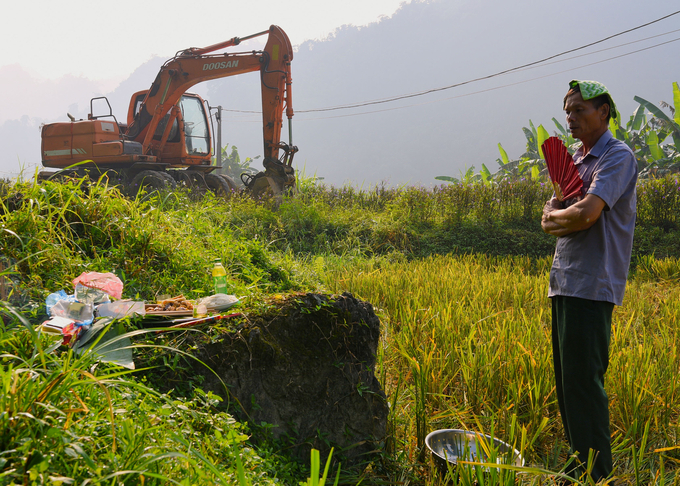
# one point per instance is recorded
(469, 176)
(633, 134)
(531, 163)
(667, 126)
(233, 166)
(656, 158)
(647, 136)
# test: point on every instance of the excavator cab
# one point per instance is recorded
(189, 138)
(136, 103)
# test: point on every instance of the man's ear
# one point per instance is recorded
(604, 110)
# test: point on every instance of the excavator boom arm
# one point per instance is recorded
(193, 66)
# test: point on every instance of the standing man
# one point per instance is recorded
(589, 271)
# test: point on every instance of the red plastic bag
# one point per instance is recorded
(106, 282)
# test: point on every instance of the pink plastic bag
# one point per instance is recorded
(106, 282)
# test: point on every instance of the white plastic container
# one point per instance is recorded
(121, 308)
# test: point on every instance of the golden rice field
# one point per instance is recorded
(466, 345)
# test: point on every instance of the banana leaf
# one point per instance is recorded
(486, 174)
(535, 172)
(530, 134)
(656, 111)
(504, 155)
(561, 128)
(653, 144)
(638, 118)
(541, 135)
(618, 131)
(676, 102)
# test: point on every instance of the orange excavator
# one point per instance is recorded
(167, 138)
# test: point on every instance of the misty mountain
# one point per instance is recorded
(49, 101)
(21, 139)
(141, 79)
(430, 45)
(27, 102)
(423, 46)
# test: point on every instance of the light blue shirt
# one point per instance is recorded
(593, 264)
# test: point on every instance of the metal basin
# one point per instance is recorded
(452, 445)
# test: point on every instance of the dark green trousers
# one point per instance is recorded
(581, 331)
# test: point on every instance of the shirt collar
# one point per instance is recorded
(599, 146)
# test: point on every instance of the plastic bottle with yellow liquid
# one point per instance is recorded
(219, 275)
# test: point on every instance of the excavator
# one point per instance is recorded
(166, 140)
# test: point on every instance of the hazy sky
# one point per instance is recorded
(56, 56)
(107, 41)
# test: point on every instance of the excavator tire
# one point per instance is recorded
(218, 185)
(185, 179)
(232, 184)
(152, 181)
(172, 184)
(193, 181)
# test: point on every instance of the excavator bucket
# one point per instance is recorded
(277, 179)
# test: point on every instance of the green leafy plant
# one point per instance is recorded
(314, 479)
(656, 157)
(64, 420)
(233, 166)
(469, 176)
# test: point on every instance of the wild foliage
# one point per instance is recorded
(157, 245)
(64, 419)
(233, 166)
(458, 273)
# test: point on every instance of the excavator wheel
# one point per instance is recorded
(232, 184)
(187, 179)
(171, 183)
(152, 181)
(194, 181)
(218, 185)
(109, 176)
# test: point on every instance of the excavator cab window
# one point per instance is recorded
(138, 103)
(174, 131)
(196, 132)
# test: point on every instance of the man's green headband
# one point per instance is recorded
(593, 89)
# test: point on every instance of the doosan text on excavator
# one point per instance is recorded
(167, 137)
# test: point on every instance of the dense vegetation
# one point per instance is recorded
(459, 276)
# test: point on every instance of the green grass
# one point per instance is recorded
(458, 274)
(161, 245)
(65, 421)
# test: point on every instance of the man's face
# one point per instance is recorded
(583, 119)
